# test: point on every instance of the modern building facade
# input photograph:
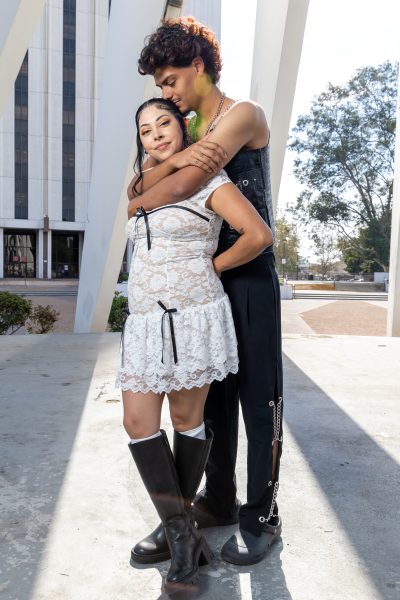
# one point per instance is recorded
(46, 139)
(46, 142)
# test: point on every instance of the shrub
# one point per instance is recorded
(42, 319)
(14, 311)
(118, 313)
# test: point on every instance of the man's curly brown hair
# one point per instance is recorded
(176, 43)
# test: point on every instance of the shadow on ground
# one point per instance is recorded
(220, 581)
(40, 414)
(359, 479)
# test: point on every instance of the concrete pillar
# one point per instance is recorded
(278, 42)
(49, 254)
(114, 152)
(206, 11)
(18, 20)
(81, 243)
(39, 254)
(393, 320)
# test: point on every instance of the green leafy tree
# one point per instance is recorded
(286, 246)
(360, 257)
(326, 249)
(345, 160)
(118, 312)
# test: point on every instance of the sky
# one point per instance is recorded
(341, 36)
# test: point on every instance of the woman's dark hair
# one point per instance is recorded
(140, 156)
(176, 43)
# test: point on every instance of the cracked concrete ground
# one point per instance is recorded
(72, 503)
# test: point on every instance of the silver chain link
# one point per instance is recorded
(277, 416)
(274, 495)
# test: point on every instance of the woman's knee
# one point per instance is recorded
(142, 413)
(137, 427)
(183, 420)
(186, 408)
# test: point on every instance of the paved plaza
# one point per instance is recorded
(312, 315)
(73, 504)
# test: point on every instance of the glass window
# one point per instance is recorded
(69, 46)
(21, 114)
(21, 144)
(19, 253)
(69, 6)
(68, 142)
(65, 255)
(21, 185)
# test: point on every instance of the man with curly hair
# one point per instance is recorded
(184, 58)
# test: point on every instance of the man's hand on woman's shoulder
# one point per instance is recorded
(207, 155)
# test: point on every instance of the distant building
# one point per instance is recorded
(46, 142)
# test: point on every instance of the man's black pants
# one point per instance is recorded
(253, 290)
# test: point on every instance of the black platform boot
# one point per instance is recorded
(191, 455)
(188, 549)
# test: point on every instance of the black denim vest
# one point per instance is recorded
(250, 171)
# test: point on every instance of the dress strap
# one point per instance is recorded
(169, 312)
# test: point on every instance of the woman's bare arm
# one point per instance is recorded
(207, 155)
(244, 125)
(255, 235)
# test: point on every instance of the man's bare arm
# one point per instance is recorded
(244, 125)
(152, 174)
(162, 193)
(207, 155)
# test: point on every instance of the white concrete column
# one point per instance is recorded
(49, 251)
(7, 163)
(278, 42)
(39, 254)
(18, 20)
(122, 92)
(37, 121)
(205, 11)
(81, 243)
(393, 320)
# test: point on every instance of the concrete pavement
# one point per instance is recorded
(73, 504)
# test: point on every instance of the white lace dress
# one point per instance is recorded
(180, 331)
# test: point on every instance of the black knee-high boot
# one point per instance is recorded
(188, 548)
(191, 455)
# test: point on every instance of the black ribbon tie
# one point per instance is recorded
(140, 212)
(168, 312)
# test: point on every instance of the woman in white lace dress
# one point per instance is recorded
(179, 335)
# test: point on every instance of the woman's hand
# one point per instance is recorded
(216, 269)
(254, 234)
(206, 155)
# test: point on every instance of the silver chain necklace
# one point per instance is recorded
(193, 123)
(217, 113)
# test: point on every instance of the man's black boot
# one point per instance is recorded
(245, 548)
(206, 515)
